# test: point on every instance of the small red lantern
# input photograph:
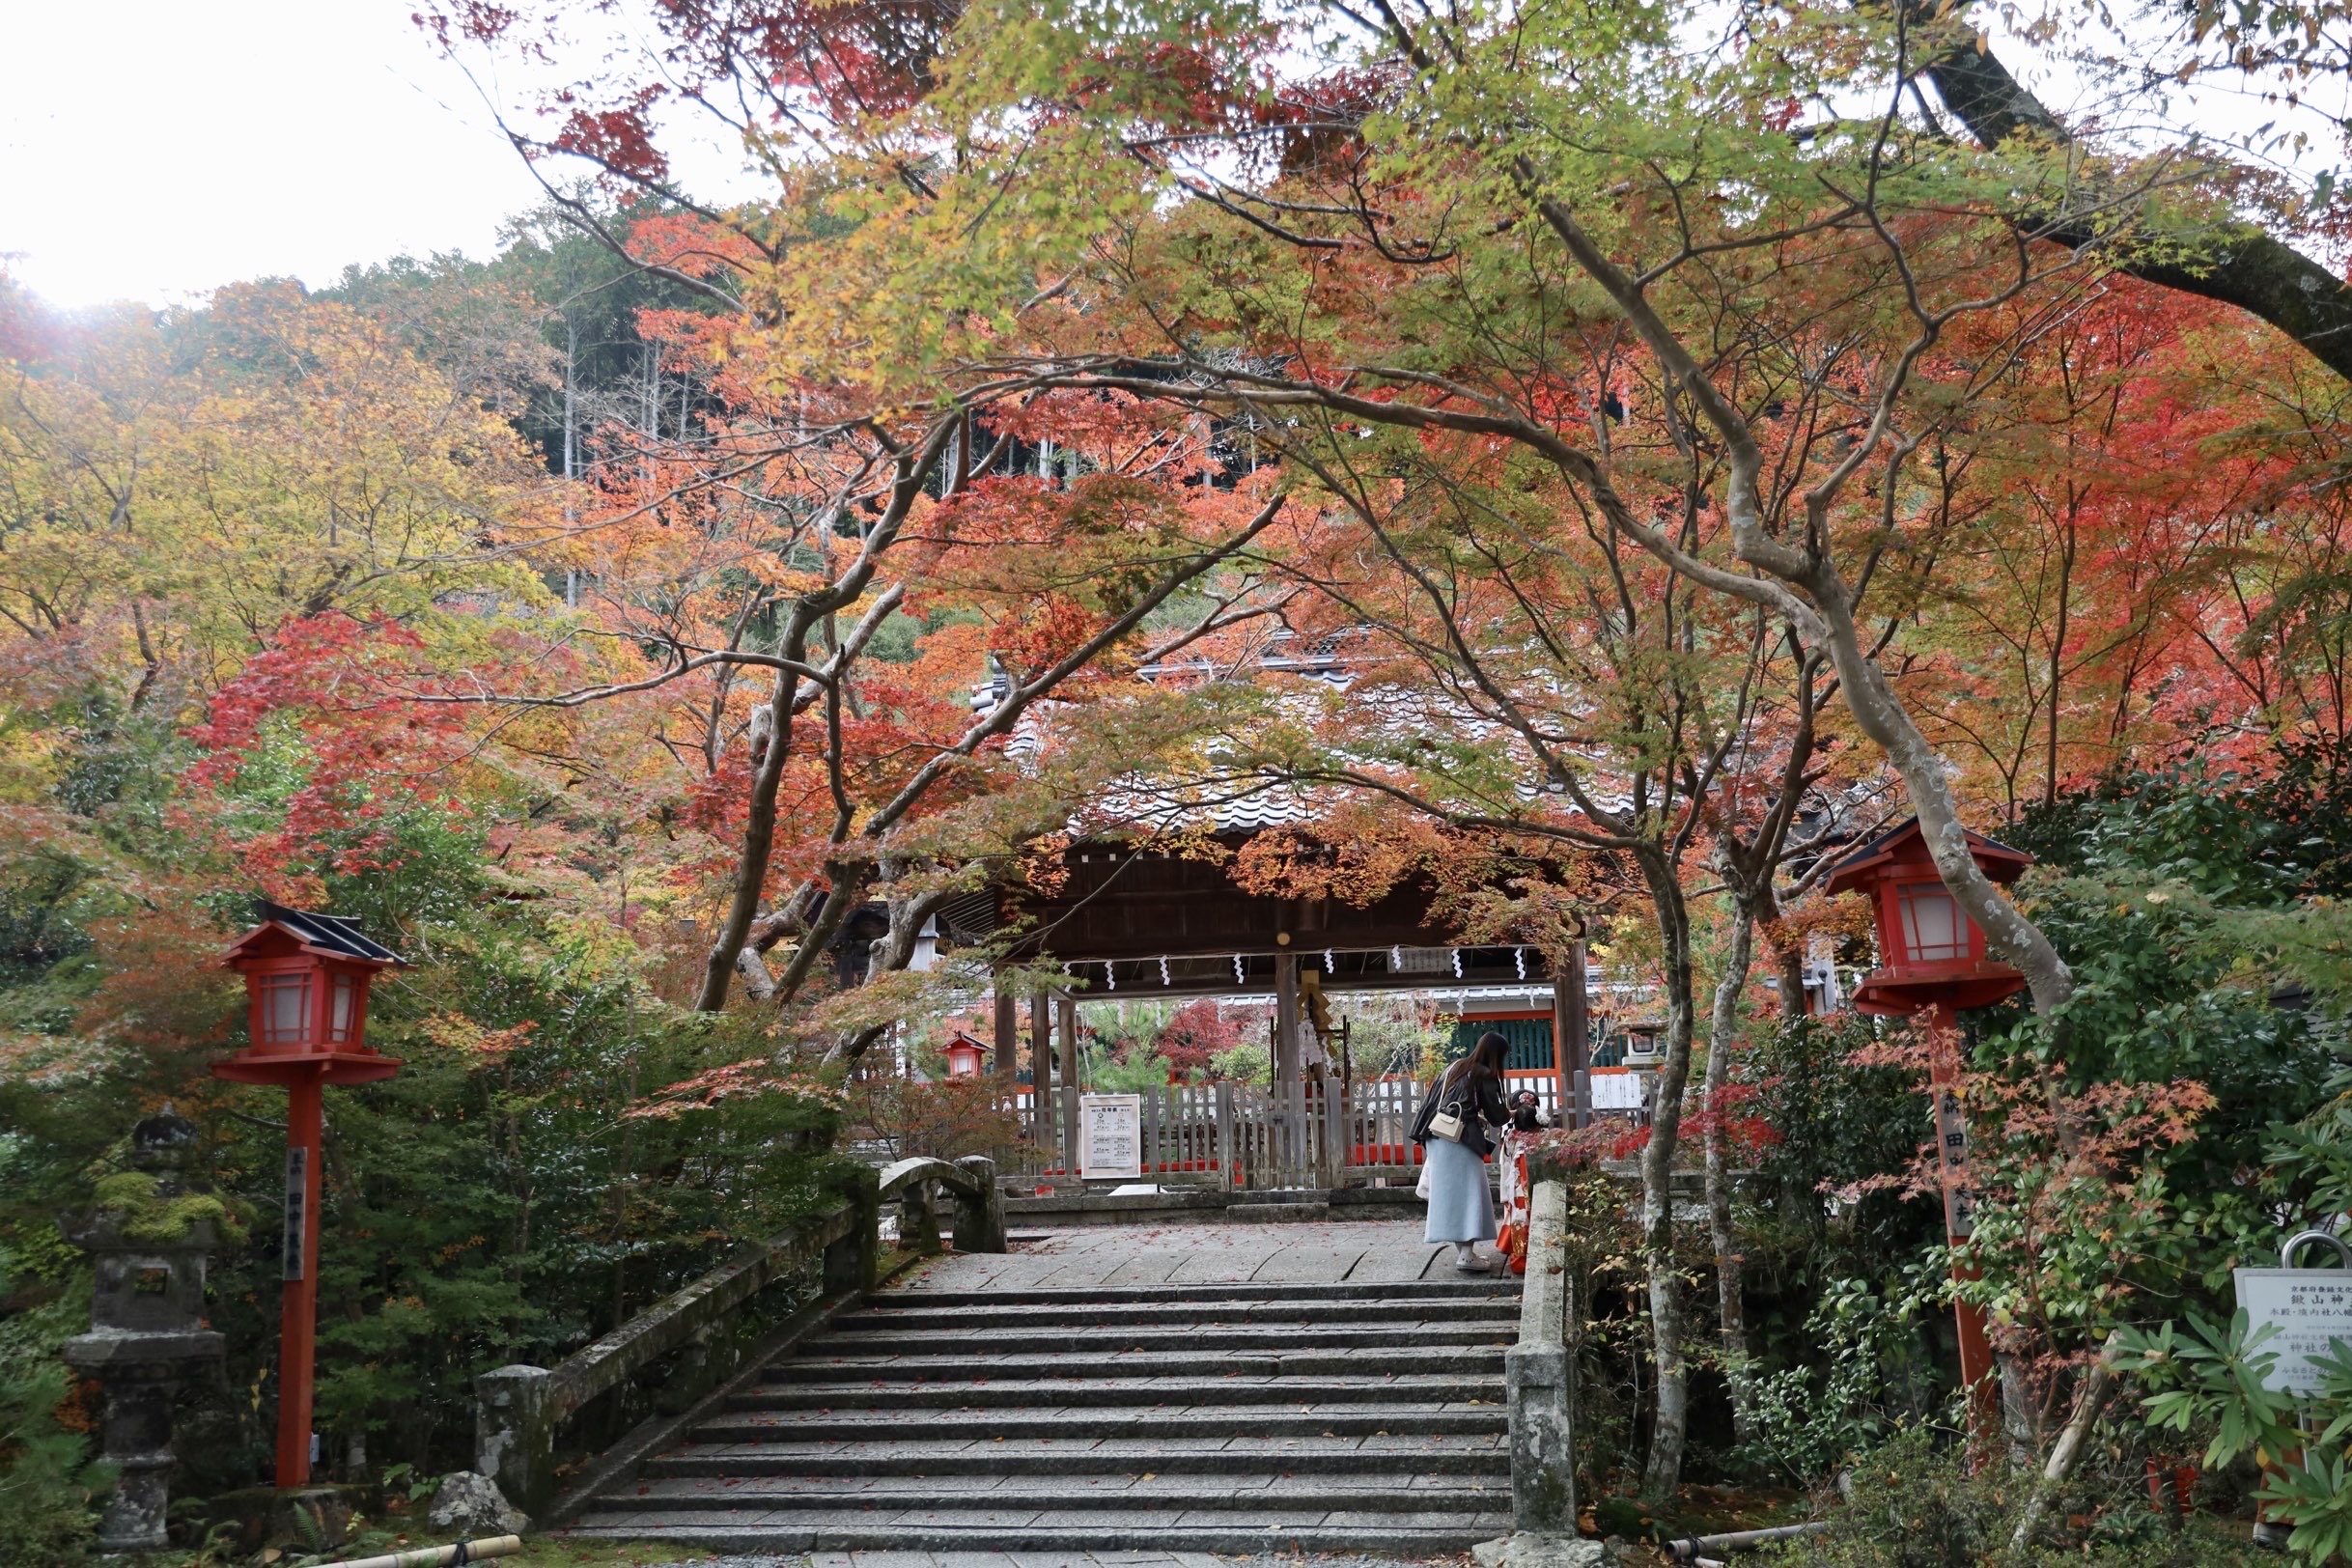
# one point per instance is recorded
(306, 989)
(1932, 953)
(964, 1055)
(1933, 962)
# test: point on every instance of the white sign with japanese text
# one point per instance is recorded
(2312, 1309)
(1616, 1091)
(1110, 1135)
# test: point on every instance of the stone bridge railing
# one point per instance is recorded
(1539, 1373)
(702, 1338)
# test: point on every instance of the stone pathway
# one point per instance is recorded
(1114, 1397)
(1343, 1253)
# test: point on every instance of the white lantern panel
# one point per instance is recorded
(1933, 927)
(286, 1009)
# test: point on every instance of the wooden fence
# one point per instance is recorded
(1255, 1137)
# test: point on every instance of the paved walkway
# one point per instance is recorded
(1383, 1253)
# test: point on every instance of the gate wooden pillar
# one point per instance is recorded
(1286, 1019)
(1008, 1038)
(1065, 1016)
(1040, 1078)
(1571, 1039)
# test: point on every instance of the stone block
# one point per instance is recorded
(1524, 1548)
(980, 1216)
(470, 1506)
(514, 1434)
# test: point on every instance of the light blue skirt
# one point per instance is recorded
(1461, 1205)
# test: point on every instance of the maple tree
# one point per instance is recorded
(1688, 452)
(1793, 371)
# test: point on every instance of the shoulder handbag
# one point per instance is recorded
(1446, 1124)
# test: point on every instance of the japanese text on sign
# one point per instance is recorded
(1110, 1134)
(294, 1262)
(1951, 1155)
(1616, 1091)
(2312, 1309)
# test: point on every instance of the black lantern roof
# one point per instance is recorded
(338, 935)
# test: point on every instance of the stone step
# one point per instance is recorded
(1105, 1392)
(1469, 1361)
(1211, 1421)
(1001, 1418)
(1227, 1531)
(1477, 1288)
(1225, 1417)
(1243, 1492)
(1221, 1309)
(1208, 1339)
(1485, 1455)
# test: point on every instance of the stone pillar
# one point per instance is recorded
(980, 1214)
(514, 1434)
(918, 1218)
(146, 1338)
(853, 1263)
(1539, 1376)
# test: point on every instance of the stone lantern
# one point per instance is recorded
(147, 1337)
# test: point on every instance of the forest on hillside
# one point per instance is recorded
(1697, 455)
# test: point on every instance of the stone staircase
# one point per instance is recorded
(1357, 1417)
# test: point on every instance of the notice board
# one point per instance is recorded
(1110, 1135)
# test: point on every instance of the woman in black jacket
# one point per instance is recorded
(1461, 1205)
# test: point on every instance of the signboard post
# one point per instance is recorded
(1110, 1135)
(2312, 1309)
(1952, 1157)
(1616, 1091)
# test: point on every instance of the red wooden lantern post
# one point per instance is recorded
(964, 1055)
(1934, 963)
(306, 985)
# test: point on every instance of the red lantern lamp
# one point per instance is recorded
(964, 1055)
(306, 989)
(1931, 953)
(1933, 960)
(306, 992)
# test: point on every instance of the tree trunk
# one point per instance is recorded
(759, 826)
(1670, 1431)
(1788, 969)
(2232, 261)
(1881, 715)
(1730, 1284)
(1821, 604)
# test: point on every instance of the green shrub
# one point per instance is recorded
(1914, 1505)
(48, 1484)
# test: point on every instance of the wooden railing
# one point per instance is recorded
(1248, 1137)
(702, 1338)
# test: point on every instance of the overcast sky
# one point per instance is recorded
(153, 150)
